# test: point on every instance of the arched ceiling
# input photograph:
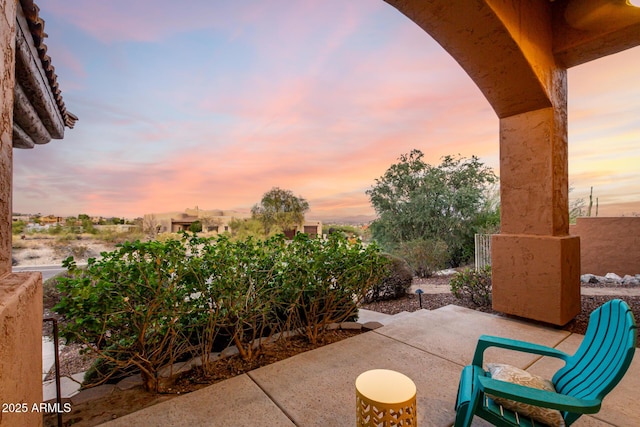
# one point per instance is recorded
(518, 51)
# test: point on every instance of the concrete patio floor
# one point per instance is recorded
(316, 388)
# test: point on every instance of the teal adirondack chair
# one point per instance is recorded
(593, 371)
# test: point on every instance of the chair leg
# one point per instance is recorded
(464, 418)
(461, 414)
(468, 397)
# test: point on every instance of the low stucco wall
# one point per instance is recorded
(536, 277)
(608, 244)
(20, 348)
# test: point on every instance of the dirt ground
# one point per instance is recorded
(119, 403)
(52, 250)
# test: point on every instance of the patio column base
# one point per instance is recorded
(21, 347)
(536, 277)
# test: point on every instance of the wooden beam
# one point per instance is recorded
(585, 30)
(20, 138)
(25, 115)
(579, 47)
(34, 82)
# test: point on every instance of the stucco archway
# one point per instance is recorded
(518, 52)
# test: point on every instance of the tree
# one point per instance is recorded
(576, 207)
(150, 225)
(243, 228)
(488, 222)
(196, 226)
(18, 227)
(280, 208)
(449, 203)
(86, 224)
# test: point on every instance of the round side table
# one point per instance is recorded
(385, 398)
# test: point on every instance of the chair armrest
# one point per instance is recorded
(534, 396)
(486, 341)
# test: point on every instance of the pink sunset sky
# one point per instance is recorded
(212, 103)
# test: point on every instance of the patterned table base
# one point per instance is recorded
(371, 413)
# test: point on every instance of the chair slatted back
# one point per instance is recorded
(604, 355)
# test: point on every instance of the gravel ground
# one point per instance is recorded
(411, 303)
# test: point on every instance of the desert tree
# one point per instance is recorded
(150, 225)
(448, 203)
(280, 210)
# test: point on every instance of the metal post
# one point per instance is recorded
(57, 365)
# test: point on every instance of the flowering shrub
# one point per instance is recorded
(128, 307)
(324, 280)
(473, 285)
(150, 304)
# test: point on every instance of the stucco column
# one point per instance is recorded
(20, 293)
(7, 71)
(507, 48)
(535, 263)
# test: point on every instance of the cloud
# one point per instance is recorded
(141, 20)
(71, 67)
(156, 20)
(603, 130)
(214, 103)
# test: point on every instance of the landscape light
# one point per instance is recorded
(420, 292)
(635, 3)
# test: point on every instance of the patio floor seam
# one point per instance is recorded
(439, 356)
(595, 417)
(553, 346)
(271, 398)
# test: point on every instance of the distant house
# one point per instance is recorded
(213, 221)
(51, 219)
(312, 228)
(216, 221)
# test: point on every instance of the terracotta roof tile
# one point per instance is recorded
(36, 27)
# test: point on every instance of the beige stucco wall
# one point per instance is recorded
(21, 346)
(609, 245)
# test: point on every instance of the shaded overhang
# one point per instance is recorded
(585, 30)
(498, 43)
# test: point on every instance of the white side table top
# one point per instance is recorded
(385, 386)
